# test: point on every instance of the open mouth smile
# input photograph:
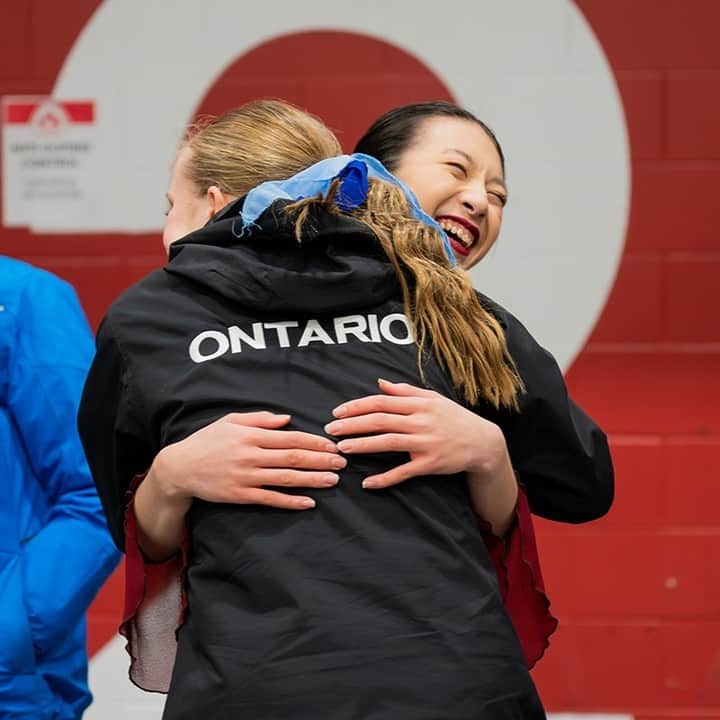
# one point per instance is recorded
(462, 233)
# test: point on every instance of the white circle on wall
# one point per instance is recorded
(534, 71)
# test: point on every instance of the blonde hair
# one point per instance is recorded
(263, 140)
(439, 299)
(272, 140)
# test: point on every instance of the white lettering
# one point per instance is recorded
(281, 329)
(211, 344)
(314, 332)
(238, 336)
(385, 324)
(350, 325)
(373, 327)
(223, 345)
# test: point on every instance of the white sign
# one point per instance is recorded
(48, 149)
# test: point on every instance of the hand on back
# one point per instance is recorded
(441, 436)
(236, 458)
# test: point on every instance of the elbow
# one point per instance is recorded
(581, 496)
(605, 495)
(596, 494)
(598, 504)
(597, 499)
(604, 481)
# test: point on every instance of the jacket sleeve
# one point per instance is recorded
(69, 558)
(112, 429)
(560, 454)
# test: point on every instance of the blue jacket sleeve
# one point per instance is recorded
(70, 557)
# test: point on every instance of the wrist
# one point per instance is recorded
(164, 480)
(491, 456)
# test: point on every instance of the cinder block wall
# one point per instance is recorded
(638, 593)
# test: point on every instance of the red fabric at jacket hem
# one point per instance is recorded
(155, 606)
(517, 565)
(155, 601)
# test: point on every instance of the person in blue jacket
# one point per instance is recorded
(55, 549)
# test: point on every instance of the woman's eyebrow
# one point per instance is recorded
(460, 152)
(498, 180)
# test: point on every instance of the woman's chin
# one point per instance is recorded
(464, 261)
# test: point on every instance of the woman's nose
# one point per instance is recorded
(475, 200)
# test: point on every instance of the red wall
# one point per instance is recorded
(638, 593)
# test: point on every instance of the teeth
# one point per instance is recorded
(459, 231)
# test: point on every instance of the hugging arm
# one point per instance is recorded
(232, 460)
(113, 430)
(441, 437)
(560, 454)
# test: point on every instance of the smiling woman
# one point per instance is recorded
(455, 166)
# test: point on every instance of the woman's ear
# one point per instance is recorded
(217, 200)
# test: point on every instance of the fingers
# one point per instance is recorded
(374, 423)
(379, 404)
(262, 419)
(395, 476)
(299, 459)
(388, 442)
(403, 389)
(296, 478)
(270, 498)
(293, 440)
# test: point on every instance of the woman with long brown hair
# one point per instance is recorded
(294, 299)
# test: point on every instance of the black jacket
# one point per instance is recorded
(374, 605)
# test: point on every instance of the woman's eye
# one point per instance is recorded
(460, 167)
(502, 199)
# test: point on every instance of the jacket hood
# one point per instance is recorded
(265, 268)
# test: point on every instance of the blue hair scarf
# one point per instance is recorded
(352, 171)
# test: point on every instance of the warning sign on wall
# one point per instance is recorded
(48, 148)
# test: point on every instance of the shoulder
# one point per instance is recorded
(536, 365)
(145, 321)
(138, 302)
(45, 340)
(514, 329)
(495, 309)
(44, 311)
(20, 281)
